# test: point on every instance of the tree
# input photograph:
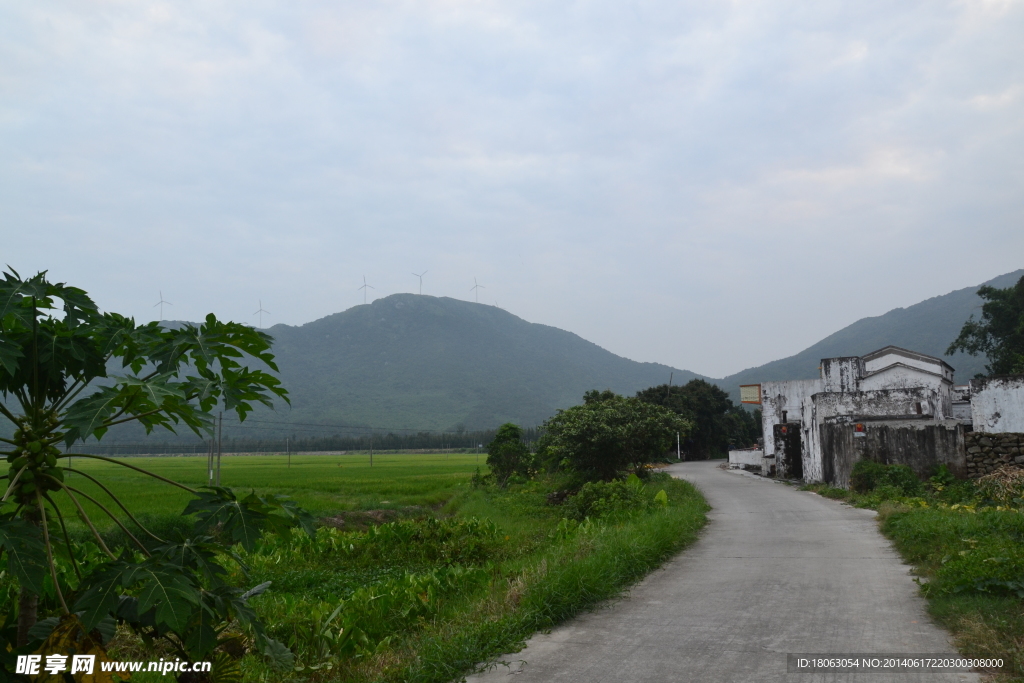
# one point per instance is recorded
(1000, 332)
(58, 354)
(507, 454)
(709, 408)
(609, 435)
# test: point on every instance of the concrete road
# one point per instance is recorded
(776, 571)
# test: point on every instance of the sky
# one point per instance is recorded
(710, 185)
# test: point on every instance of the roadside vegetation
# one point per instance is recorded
(111, 558)
(423, 579)
(966, 542)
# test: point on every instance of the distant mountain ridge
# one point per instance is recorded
(427, 362)
(927, 327)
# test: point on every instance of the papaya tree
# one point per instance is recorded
(68, 373)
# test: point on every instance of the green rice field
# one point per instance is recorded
(323, 484)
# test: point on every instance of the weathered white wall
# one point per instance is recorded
(841, 374)
(900, 376)
(859, 405)
(779, 397)
(962, 411)
(997, 404)
(876, 403)
(746, 456)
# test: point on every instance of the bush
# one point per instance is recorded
(868, 475)
(507, 455)
(600, 498)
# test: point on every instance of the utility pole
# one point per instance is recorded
(679, 453)
(288, 447)
(668, 392)
(220, 444)
(209, 462)
(371, 446)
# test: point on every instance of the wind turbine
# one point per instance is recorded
(161, 305)
(260, 313)
(364, 288)
(420, 276)
(476, 289)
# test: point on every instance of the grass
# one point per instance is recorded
(969, 555)
(460, 574)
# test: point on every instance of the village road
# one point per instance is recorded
(776, 571)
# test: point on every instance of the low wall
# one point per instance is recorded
(920, 444)
(746, 458)
(986, 451)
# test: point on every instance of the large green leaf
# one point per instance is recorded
(26, 554)
(101, 594)
(167, 588)
(242, 521)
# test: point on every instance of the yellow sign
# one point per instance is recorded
(750, 393)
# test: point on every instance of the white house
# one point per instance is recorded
(888, 384)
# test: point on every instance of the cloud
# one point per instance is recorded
(628, 172)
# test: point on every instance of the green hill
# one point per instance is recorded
(927, 327)
(427, 363)
(434, 363)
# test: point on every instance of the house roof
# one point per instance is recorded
(896, 350)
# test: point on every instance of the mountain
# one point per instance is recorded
(928, 327)
(425, 362)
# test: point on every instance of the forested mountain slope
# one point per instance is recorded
(927, 327)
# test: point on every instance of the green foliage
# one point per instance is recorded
(600, 498)
(609, 435)
(507, 455)
(868, 475)
(716, 422)
(55, 351)
(999, 334)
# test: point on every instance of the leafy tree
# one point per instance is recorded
(1000, 332)
(507, 454)
(609, 435)
(716, 421)
(57, 356)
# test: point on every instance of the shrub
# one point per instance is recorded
(868, 475)
(609, 435)
(600, 498)
(507, 455)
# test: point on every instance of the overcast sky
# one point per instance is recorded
(711, 185)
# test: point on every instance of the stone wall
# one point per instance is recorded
(986, 452)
